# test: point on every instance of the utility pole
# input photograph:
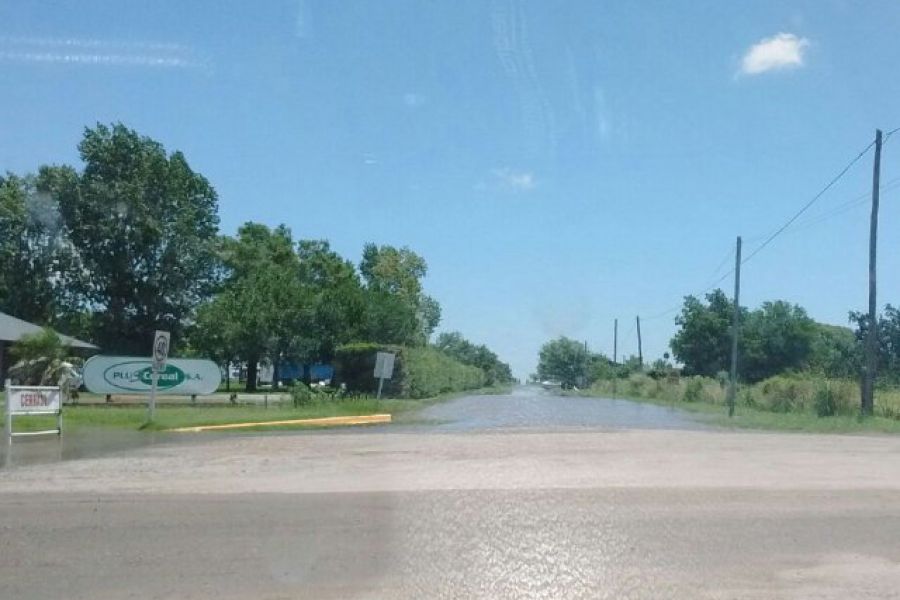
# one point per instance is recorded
(615, 340)
(615, 378)
(640, 351)
(735, 323)
(868, 385)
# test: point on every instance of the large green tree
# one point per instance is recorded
(703, 340)
(337, 302)
(262, 310)
(776, 337)
(34, 256)
(143, 226)
(566, 361)
(399, 310)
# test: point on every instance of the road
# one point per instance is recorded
(562, 511)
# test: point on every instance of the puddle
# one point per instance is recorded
(78, 443)
(534, 408)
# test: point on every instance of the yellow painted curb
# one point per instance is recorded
(322, 422)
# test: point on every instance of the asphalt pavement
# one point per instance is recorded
(507, 509)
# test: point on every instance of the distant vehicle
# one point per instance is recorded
(551, 385)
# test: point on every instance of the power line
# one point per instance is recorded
(815, 198)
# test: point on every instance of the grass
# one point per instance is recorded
(711, 409)
(169, 417)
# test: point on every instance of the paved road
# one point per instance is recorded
(493, 512)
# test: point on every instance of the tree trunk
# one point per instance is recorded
(227, 375)
(251, 374)
(275, 375)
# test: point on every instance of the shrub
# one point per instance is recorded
(303, 395)
(419, 372)
(786, 394)
(747, 398)
(639, 385)
(693, 390)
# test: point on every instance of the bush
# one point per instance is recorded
(639, 385)
(786, 394)
(303, 395)
(693, 390)
(833, 398)
(419, 372)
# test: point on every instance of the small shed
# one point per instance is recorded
(12, 329)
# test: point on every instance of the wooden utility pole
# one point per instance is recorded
(735, 326)
(640, 350)
(615, 340)
(868, 384)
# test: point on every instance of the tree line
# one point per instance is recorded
(777, 337)
(130, 243)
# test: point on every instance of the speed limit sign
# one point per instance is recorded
(160, 350)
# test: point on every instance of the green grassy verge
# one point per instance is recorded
(169, 417)
(746, 417)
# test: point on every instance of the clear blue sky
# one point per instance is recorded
(558, 163)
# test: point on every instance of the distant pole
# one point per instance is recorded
(640, 350)
(735, 322)
(615, 340)
(868, 387)
(615, 360)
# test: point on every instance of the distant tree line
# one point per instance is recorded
(778, 337)
(131, 243)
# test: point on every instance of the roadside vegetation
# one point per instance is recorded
(129, 243)
(793, 373)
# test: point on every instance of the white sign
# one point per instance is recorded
(133, 375)
(32, 400)
(160, 350)
(384, 365)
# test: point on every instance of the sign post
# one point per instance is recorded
(160, 354)
(31, 400)
(384, 369)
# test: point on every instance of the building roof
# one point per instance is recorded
(11, 329)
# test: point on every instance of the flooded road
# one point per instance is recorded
(531, 407)
(525, 408)
(528, 495)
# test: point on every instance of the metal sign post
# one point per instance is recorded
(384, 369)
(160, 353)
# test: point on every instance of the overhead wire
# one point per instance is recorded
(815, 219)
(814, 199)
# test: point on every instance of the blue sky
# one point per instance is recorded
(559, 164)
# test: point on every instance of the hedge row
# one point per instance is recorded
(418, 372)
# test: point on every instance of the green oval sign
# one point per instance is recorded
(182, 376)
(170, 377)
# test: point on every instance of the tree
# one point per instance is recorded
(775, 338)
(458, 347)
(564, 360)
(262, 303)
(835, 352)
(337, 303)
(888, 365)
(393, 277)
(143, 226)
(703, 342)
(33, 252)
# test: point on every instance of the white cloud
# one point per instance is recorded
(516, 181)
(781, 51)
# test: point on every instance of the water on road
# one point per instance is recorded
(534, 408)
